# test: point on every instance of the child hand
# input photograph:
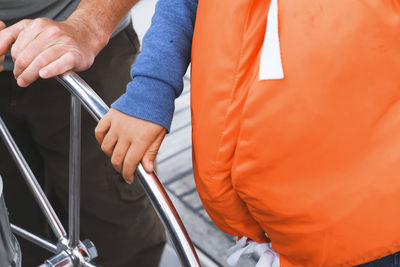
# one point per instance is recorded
(129, 140)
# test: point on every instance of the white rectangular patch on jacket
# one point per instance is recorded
(270, 61)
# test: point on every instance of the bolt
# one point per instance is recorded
(90, 248)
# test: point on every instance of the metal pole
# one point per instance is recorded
(33, 238)
(79, 88)
(169, 216)
(33, 184)
(154, 189)
(74, 171)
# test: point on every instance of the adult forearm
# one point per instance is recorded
(101, 16)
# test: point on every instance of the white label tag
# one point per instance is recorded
(270, 61)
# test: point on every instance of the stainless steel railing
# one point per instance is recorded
(69, 248)
(10, 252)
(82, 92)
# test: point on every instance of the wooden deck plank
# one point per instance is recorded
(175, 143)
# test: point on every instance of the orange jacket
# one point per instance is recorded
(313, 159)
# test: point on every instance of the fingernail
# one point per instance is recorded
(44, 73)
(21, 82)
(128, 180)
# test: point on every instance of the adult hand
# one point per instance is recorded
(45, 48)
(129, 140)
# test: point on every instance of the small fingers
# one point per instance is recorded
(131, 162)
(108, 144)
(151, 153)
(148, 162)
(118, 155)
(102, 129)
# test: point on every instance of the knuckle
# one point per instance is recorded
(22, 62)
(127, 169)
(97, 131)
(116, 161)
(39, 23)
(14, 51)
(89, 62)
(42, 60)
(151, 153)
(116, 157)
(101, 128)
(36, 24)
(53, 31)
(25, 22)
(106, 148)
(69, 40)
(70, 59)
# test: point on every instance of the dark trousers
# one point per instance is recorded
(116, 216)
(388, 261)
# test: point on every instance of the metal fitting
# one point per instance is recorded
(72, 257)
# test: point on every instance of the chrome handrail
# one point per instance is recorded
(151, 184)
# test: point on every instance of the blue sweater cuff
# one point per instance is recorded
(148, 99)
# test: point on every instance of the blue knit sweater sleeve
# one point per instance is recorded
(160, 67)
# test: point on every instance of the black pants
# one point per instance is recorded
(116, 216)
(392, 260)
